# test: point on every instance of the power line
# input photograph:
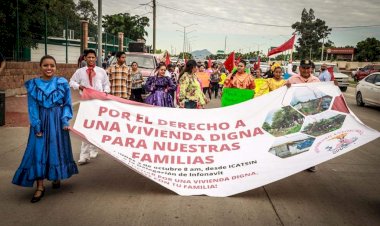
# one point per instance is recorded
(357, 26)
(221, 18)
(252, 23)
(141, 5)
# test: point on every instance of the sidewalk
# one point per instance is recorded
(16, 109)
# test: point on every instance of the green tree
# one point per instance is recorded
(187, 55)
(59, 12)
(32, 22)
(86, 11)
(133, 27)
(266, 127)
(368, 50)
(312, 31)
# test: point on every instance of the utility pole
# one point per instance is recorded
(225, 44)
(100, 33)
(184, 36)
(323, 46)
(67, 41)
(184, 42)
(154, 26)
(46, 6)
(18, 33)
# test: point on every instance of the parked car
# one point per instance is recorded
(147, 62)
(369, 69)
(353, 73)
(368, 90)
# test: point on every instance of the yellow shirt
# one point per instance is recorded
(223, 77)
(259, 82)
(270, 84)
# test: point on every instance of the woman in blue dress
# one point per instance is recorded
(160, 87)
(48, 154)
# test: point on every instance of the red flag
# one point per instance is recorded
(229, 63)
(209, 63)
(257, 64)
(287, 45)
(331, 71)
(238, 60)
(167, 60)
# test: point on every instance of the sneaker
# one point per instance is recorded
(93, 155)
(312, 169)
(83, 161)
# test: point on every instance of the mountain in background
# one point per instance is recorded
(200, 54)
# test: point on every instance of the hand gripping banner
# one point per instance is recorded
(224, 151)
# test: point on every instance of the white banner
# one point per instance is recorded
(225, 151)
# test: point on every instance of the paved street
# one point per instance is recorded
(344, 191)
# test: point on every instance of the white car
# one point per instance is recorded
(368, 90)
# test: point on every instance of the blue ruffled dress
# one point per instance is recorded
(49, 156)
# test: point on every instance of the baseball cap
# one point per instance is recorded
(306, 63)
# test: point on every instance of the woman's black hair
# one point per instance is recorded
(47, 57)
(233, 74)
(188, 68)
(134, 62)
(243, 61)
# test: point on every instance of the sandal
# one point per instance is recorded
(38, 198)
(56, 184)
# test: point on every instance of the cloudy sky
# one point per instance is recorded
(209, 33)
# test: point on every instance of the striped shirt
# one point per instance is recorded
(120, 79)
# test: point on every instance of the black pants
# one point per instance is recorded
(136, 95)
(215, 88)
(190, 104)
(207, 89)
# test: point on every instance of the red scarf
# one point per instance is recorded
(91, 73)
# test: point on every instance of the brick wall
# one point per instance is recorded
(14, 76)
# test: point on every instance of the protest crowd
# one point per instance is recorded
(188, 85)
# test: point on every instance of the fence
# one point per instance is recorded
(65, 46)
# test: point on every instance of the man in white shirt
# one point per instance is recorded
(92, 77)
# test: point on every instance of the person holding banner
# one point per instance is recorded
(272, 83)
(305, 75)
(160, 87)
(240, 79)
(92, 77)
(48, 154)
(190, 92)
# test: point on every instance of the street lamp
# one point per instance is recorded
(184, 35)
